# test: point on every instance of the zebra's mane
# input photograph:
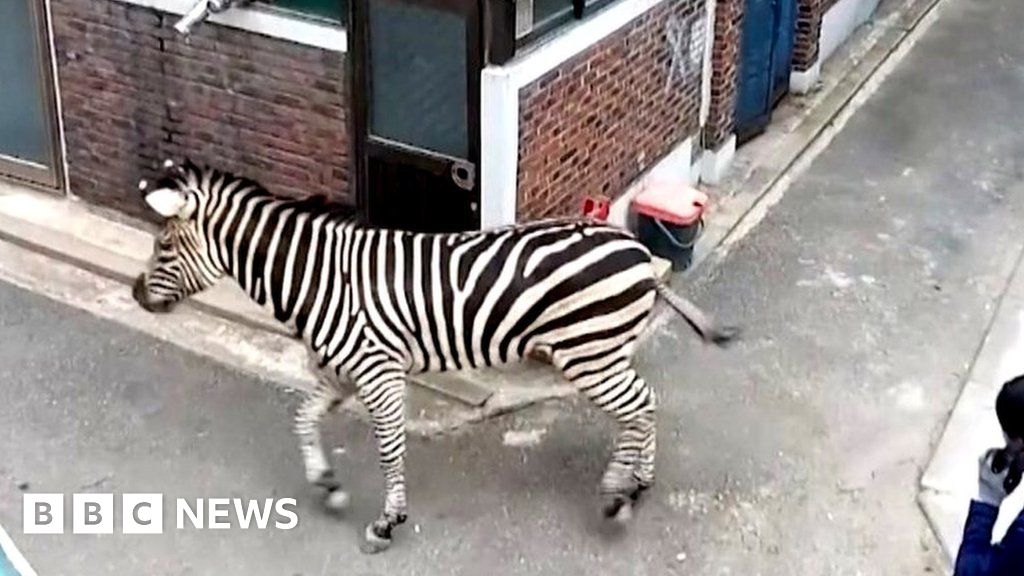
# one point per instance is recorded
(313, 204)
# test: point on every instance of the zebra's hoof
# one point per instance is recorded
(624, 515)
(619, 510)
(639, 491)
(337, 500)
(372, 543)
(327, 481)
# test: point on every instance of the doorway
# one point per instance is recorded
(29, 148)
(766, 56)
(416, 91)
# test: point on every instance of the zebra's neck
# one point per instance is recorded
(285, 254)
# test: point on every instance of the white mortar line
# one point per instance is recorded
(14, 555)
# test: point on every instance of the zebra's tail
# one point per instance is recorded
(708, 330)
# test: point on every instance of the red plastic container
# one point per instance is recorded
(670, 219)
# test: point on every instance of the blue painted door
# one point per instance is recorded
(782, 51)
(766, 54)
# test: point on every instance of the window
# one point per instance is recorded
(333, 10)
(535, 18)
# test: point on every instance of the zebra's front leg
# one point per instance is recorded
(384, 398)
(323, 399)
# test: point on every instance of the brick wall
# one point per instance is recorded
(596, 122)
(808, 31)
(135, 93)
(724, 68)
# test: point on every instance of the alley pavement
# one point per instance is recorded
(864, 295)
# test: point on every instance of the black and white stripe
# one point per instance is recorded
(375, 305)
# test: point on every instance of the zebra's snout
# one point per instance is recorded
(141, 296)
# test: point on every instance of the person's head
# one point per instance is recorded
(1010, 411)
(182, 262)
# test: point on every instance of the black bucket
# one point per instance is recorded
(673, 242)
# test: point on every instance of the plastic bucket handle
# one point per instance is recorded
(672, 239)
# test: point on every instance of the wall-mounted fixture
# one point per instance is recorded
(201, 10)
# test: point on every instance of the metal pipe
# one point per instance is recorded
(200, 11)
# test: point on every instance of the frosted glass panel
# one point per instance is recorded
(418, 77)
(23, 129)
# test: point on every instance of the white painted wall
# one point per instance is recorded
(840, 21)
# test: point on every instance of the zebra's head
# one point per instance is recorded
(182, 263)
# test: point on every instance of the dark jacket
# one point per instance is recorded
(978, 556)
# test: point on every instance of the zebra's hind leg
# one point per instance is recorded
(383, 394)
(323, 399)
(613, 385)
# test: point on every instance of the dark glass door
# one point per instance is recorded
(28, 143)
(417, 93)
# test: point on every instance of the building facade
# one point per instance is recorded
(428, 114)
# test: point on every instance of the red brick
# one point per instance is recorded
(133, 93)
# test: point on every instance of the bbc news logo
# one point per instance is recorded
(144, 514)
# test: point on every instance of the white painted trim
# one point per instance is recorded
(271, 23)
(714, 164)
(707, 70)
(575, 38)
(673, 167)
(58, 101)
(499, 147)
(12, 553)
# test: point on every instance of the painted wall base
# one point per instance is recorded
(804, 81)
(839, 23)
(714, 164)
(675, 166)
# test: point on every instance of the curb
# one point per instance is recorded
(950, 480)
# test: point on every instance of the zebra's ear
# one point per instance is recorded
(167, 202)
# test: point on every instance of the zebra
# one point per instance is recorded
(375, 305)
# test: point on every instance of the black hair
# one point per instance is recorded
(1010, 407)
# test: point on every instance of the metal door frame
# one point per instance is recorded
(362, 90)
(51, 177)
